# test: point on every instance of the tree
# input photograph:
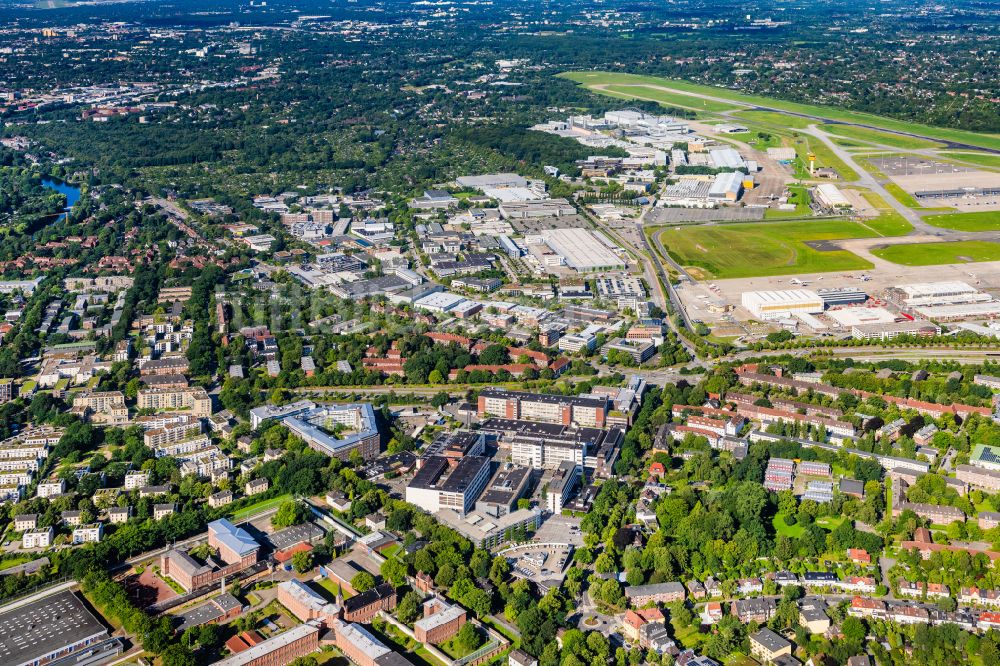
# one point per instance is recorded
(854, 630)
(302, 561)
(363, 581)
(468, 638)
(290, 513)
(409, 608)
(394, 571)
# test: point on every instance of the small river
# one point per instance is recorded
(72, 193)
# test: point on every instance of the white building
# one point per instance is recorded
(40, 538)
(770, 305)
(91, 533)
(582, 250)
(830, 196)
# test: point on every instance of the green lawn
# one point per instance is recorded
(933, 254)
(982, 159)
(979, 221)
(779, 120)
(331, 588)
(884, 138)
(827, 112)
(639, 91)
(259, 507)
(901, 195)
(799, 196)
(830, 522)
(781, 529)
(764, 248)
(889, 222)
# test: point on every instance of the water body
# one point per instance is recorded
(72, 193)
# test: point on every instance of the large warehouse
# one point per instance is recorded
(769, 305)
(54, 627)
(582, 250)
(935, 293)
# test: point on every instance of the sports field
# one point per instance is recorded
(828, 112)
(884, 138)
(935, 254)
(763, 248)
(979, 221)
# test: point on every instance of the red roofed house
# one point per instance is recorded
(859, 556)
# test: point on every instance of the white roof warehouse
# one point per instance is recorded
(584, 251)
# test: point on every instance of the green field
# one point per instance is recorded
(259, 507)
(805, 144)
(781, 529)
(935, 254)
(798, 195)
(763, 248)
(982, 159)
(884, 138)
(640, 91)
(778, 120)
(979, 221)
(889, 222)
(827, 112)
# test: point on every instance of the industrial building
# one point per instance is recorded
(934, 294)
(981, 310)
(53, 628)
(890, 331)
(771, 305)
(830, 196)
(727, 186)
(833, 296)
(582, 250)
(726, 158)
(520, 210)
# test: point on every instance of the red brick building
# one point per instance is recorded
(440, 622)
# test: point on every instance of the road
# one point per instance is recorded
(869, 181)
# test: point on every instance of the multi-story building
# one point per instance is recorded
(184, 427)
(561, 484)
(206, 462)
(361, 647)
(6, 390)
(548, 408)
(51, 487)
(183, 446)
(195, 399)
(754, 610)
(440, 622)
(280, 649)
(656, 593)
(104, 407)
(443, 483)
(134, 480)
(37, 538)
(89, 533)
